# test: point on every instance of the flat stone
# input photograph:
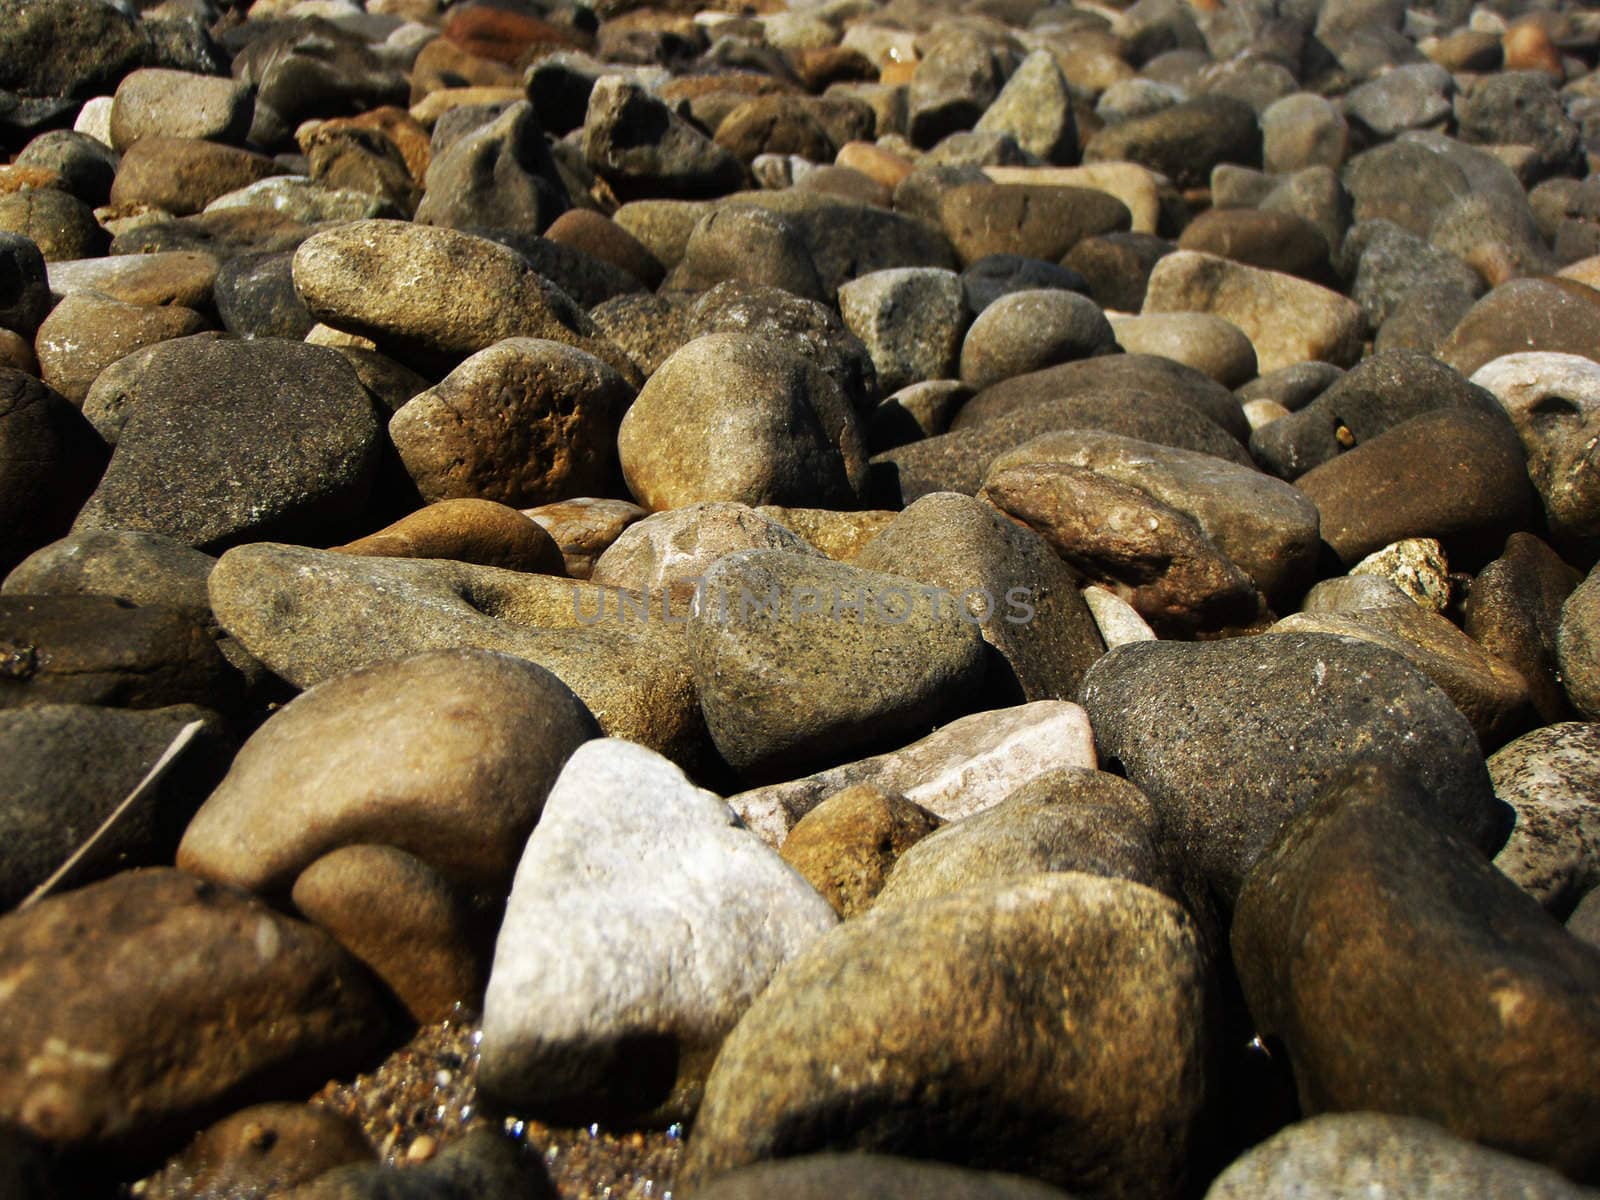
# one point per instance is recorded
(1041, 636)
(156, 102)
(1453, 474)
(1034, 219)
(87, 332)
(1350, 1154)
(137, 1005)
(1209, 344)
(1373, 925)
(784, 433)
(963, 768)
(780, 642)
(471, 531)
(458, 750)
(1139, 188)
(430, 291)
(1231, 739)
(403, 919)
(856, 1025)
(634, 940)
(1125, 539)
(1269, 529)
(182, 174)
(1288, 320)
(202, 455)
(178, 277)
(311, 615)
(525, 422)
(1548, 778)
(301, 198)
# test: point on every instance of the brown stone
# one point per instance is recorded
(584, 527)
(847, 845)
(447, 755)
(502, 35)
(603, 238)
(134, 1006)
(1455, 475)
(87, 332)
(525, 422)
(1039, 221)
(1153, 556)
(473, 531)
(1274, 241)
(1406, 975)
(266, 1148)
(443, 66)
(396, 124)
(96, 650)
(404, 920)
(183, 175)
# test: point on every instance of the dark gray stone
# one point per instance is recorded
(203, 458)
(1231, 739)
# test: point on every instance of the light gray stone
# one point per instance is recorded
(643, 921)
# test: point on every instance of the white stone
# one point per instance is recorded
(963, 768)
(642, 912)
(1119, 622)
(94, 119)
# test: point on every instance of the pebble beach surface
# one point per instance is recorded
(802, 600)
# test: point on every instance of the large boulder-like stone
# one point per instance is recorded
(1231, 739)
(734, 416)
(1065, 1018)
(311, 615)
(1404, 974)
(782, 642)
(202, 455)
(447, 755)
(137, 1005)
